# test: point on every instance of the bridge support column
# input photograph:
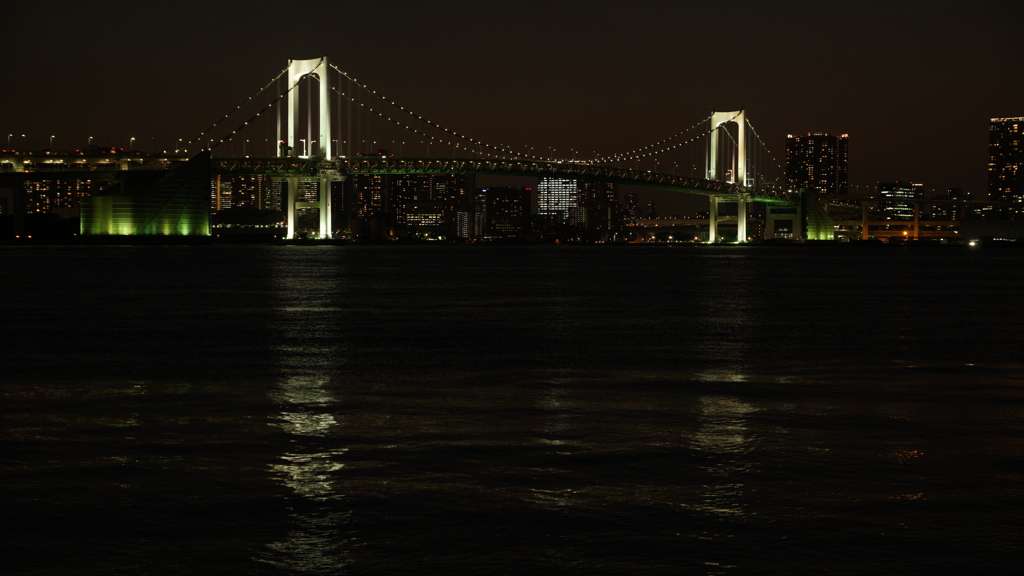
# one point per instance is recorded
(741, 219)
(713, 219)
(325, 207)
(291, 194)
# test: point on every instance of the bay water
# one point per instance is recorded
(511, 409)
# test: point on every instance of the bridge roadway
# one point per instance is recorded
(109, 167)
(285, 166)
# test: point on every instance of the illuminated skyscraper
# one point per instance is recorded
(558, 199)
(892, 193)
(631, 211)
(818, 162)
(368, 195)
(1005, 161)
(601, 203)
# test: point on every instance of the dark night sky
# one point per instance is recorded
(913, 82)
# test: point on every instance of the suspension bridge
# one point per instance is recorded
(347, 125)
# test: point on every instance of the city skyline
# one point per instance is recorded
(914, 85)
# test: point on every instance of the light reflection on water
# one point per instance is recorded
(724, 435)
(531, 410)
(314, 543)
(319, 538)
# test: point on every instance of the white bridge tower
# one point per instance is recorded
(316, 68)
(738, 173)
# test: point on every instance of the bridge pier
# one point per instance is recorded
(291, 186)
(741, 217)
(323, 202)
(713, 219)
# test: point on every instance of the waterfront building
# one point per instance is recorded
(896, 199)
(60, 197)
(948, 206)
(1005, 162)
(817, 162)
(428, 203)
(366, 195)
(501, 212)
(252, 192)
(177, 204)
(557, 201)
(600, 202)
(220, 194)
(631, 209)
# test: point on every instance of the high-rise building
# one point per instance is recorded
(631, 210)
(818, 162)
(1005, 162)
(948, 206)
(423, 201)
(502, 212)
(247, 191)
(367, 194)
(416, 203)
(892, 193)
(60, 197)
(600, 200)
(558, 200)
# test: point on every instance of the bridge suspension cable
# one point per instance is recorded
(636, 154)
(265, 108)
(350, 98)
(457, 140)
(640, 152)
(765, 147)
(480, 143)
(236, 108)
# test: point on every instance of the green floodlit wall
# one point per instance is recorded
(177, 205)
(819, 225)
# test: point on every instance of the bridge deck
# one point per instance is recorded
(495, 166)
(82, 168)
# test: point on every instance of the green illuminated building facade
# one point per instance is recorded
(176, 205)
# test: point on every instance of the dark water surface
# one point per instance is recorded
(511, 410)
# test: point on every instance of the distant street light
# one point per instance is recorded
(90, 142)
(51, 142)
(131, 145)
(9, 141)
